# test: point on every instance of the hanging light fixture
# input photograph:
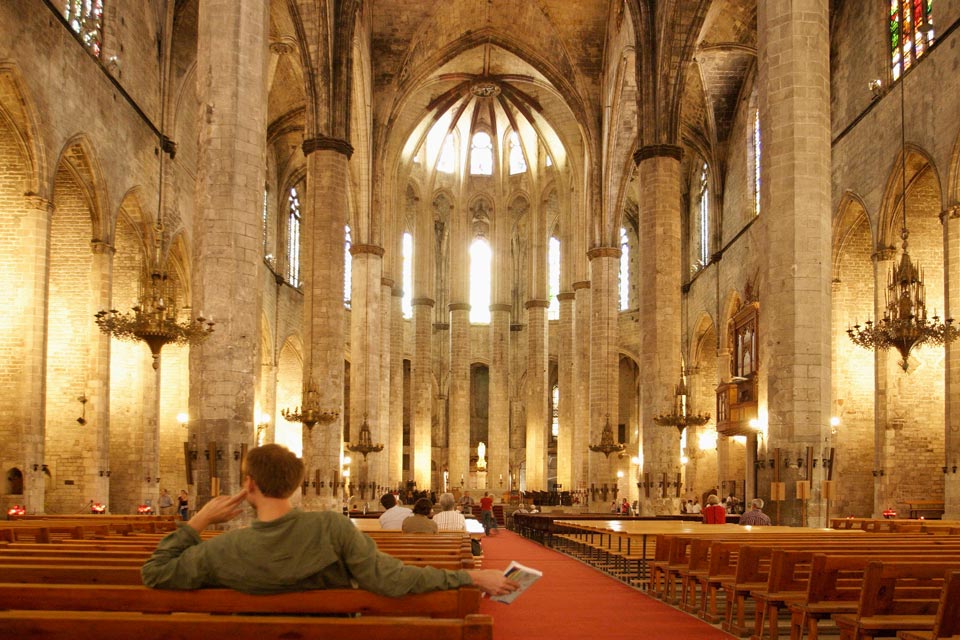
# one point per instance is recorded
(154, 318)
(607, 445)
(310, 413)
(678, 417)
(904, 325)
(364, 444)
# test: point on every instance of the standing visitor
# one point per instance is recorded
(183, 503)
(486, 513)
(165, 503)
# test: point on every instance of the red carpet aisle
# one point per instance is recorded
(572, 600)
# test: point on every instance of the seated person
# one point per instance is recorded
(755, 516)
(420, 521)
(286, 549)
(394, 515)
(449, 519)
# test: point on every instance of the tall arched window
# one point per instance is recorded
(756, 162)
(704, 215)
(480, 262)
(555, 423)
(447, 161)
(406, 302)
(553, 278)
(347, 267)
(624, 270)
(911, 32)
(85, 17)
(481, 154)
(293, 238)
(518, 164)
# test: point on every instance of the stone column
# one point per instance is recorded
(149, 476)
(385, 387)
(795, 191)
(30, 388)
(537, 389)
(232, 92)
(498, 448)
(322, 265)
(603, 361)
(579, 461)
(421, 372)
(951, 259)
(459, 434)
(660, 319)
(565, 384)
(95, 445)
(395, 457)
(365, 317)
(885, 395)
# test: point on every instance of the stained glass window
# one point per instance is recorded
(85, 17)
(518, 164)
(911, 32)
(553, 278)
(481, 154)
(406, 302)
(293, 238)
(555, 425)
(624, 270)
(756, 162)
(347, 267)
(704, 215)
(265, 216)
(480, 259)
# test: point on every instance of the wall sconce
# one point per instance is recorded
(104, 473)
(306, 484)
(263, 421)
(875, 87)
(236, 455)
(219, 454)
(82, 420)
(759, 464)
(953, 468)
(878, 472)
(183, 419)
(194, 454)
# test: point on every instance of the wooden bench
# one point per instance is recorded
(896, 596)
(947, 623)
(925, 508)
(451, 603)
(99, 625)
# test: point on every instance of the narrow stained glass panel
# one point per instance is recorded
(85, 17)
(347, 267)
(911, 32)
(293, 238)
(553, 278)
(481, 258)
(624, 270)
(406, 301)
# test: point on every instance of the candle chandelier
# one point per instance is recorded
(679, 417)
(310, 412)
(364, 444)
(607, 445)
(154, 319)
(905, 324)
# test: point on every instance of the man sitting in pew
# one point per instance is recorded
(286, 549)
(755, 516)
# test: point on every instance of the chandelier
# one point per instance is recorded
(154, 318)
(606, 445)
(679, 417)
(310, 413)
(365, 444)
(904, 325)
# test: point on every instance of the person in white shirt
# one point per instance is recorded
(394, 515)
(449, 519)
(695, 507)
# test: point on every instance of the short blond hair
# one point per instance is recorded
(713, 499)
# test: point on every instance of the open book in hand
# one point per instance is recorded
(524, 576)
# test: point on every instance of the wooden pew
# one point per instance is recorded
(947, 623)
(97, 625)
(452, 603)
(896, 596)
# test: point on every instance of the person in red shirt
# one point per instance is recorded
(486, 513)
(714, 513)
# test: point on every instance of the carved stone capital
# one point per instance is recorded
(320, 143)
(566, 295)
(38, 203)
(658, 151)
(580, 284)
(603, 252)
(500, 307)
(99, 247)
(458, 306)
(386, 282)
(534, 304)
(429, 302)
(281, 47)
(884, 253)
(372, 249)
